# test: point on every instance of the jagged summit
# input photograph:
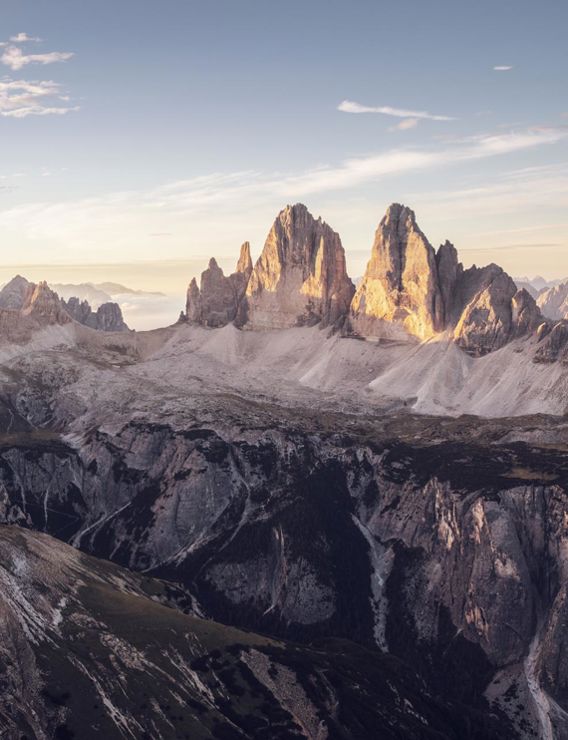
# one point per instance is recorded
(22, 299)
(244, 264)
(45, 306)
(409, 287)
(107, 317)
(300, 277)
(216, 302)
(401, 284)
(553, 301)
(409, 290)
(15, 293)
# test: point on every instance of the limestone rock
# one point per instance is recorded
(449, 272)
(553, 302)
(491, 311)
(216, 302)
(553, 344)
(400, 285)
(108, 316)
(526, 314)
(45, 306)
(15, 293)
(193, 303)
(301, 276)
(244, 264)
(410, 290)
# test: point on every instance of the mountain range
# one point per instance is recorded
(307, 509)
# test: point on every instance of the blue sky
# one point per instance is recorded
(178, 129)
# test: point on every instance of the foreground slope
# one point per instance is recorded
(154, 452)
(88, 651)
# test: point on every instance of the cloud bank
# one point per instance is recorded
(20, 99)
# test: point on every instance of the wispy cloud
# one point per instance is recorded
(20, 99)
(22, 38)
(518, 191)
(118, 220)
(349, 106)
(15, 58)
(503, 67)
(405, 125)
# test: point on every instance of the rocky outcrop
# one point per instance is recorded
(490, 311)
(218, 300)
(108, 316)
(16, 293)
(553, 302)
(450, 271)
(42, 305)
(400, 286)
(300, 278)
(409, 290)
(553, 343)
(45, 306)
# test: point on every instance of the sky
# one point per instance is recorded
(139, 138)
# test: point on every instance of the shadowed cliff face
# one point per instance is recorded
(89, 650)
(449, 554)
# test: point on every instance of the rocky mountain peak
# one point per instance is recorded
(218, 299)
(408, 290)
(301, 276)
(400, 286)
(44, 305)
(488, 310)
(16, 293)
(244, 263)
(553, 301)
(213, 265)
(107, 317)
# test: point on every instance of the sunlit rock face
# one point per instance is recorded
(45, 306)
(400, 286)
(300, 277)
(216, 302)
(553, 302)
(409, 290)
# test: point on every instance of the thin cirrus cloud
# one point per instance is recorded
(21, 98)
(503, 68)
(349, 106)
(15, 58)
(109, 221)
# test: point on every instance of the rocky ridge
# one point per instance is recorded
(37, 304)
(409, 290)
(553, 301)
(107, 317)
(218, 299)
(408, 284)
